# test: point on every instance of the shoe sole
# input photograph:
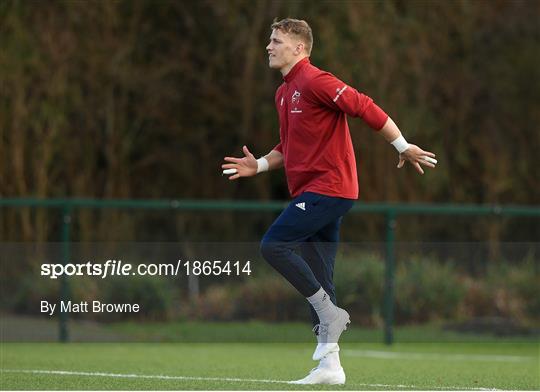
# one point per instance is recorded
(335, 380)
(317, 383)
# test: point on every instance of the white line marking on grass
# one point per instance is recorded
(428, 356)
(227, 379)
(149, 376)
(424, 388)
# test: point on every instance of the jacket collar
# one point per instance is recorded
(294, 70)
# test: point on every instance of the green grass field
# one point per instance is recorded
(254, 366)
(156, 356)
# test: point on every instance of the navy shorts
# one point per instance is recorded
(302, 242)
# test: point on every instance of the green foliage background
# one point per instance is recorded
(142, 99)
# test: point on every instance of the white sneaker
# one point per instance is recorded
(322, 375)
(329, 334)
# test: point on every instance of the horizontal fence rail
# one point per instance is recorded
(390, 210)
(245, 205)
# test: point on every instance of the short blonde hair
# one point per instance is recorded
(298, 27)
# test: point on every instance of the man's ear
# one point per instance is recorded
(299, 48)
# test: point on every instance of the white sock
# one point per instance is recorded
(331, 361)
(324, 307)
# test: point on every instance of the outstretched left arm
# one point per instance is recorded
(337, 95)
(407, 152)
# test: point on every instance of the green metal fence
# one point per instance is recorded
(391, 213)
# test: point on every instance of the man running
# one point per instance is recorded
(317, 152)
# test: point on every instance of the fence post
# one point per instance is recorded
(64, 284)
(193, 288)
(389, 277)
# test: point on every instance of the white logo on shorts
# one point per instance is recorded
(302, 206)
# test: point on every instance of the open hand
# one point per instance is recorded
(245, 167)
(417, 157)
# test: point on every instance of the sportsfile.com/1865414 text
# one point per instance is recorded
(120, 268)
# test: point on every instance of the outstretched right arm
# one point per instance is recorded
(249, 166)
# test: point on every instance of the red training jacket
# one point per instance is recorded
(315, 142)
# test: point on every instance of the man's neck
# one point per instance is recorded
(285, 70)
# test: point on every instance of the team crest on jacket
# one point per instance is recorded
(296, 97)
(295, 101)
